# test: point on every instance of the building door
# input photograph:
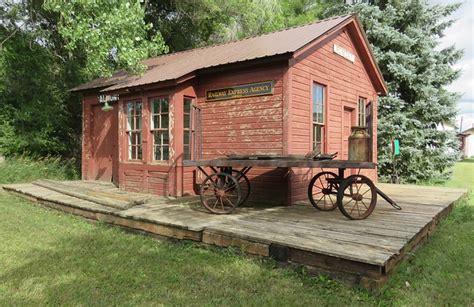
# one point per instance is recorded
(105, 144)
(347, 120)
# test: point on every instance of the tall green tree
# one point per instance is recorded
(37, 114)
(111, 34)
(405, 37)
(189, 24)
(47, 47)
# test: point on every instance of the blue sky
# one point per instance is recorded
(461, 34)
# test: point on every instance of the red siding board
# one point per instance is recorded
(242, 126)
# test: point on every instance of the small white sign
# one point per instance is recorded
(108, 98)
(344, 53)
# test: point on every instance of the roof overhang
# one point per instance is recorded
(469, 131)
(271, 60)
(288, 44)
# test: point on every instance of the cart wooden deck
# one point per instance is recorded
(280, 162)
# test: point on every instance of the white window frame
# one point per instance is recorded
(187, 154)
(158, 129)
(318, 117)
(134, 130)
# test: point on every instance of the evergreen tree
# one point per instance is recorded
(405, 38)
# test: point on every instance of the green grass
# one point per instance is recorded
(26, 169)
(49, 258)
(442, 271)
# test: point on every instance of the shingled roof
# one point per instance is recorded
(176, 65)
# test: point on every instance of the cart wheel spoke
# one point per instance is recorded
(320, 189)
(350, 200)
(320, 199)
(353, 207)
(230, 188)
(217, 191)
(358, 209)
(322, 184)
(222, 204)
(360, 192)
(332, 202)
(230, 202)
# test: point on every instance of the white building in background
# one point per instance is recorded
(467, 142)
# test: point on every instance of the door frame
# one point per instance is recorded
(351, 108)
(115, 152)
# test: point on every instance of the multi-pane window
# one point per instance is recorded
(160, 128)
(318, 116)
(187, 128)
(134, 130)
(362, 116)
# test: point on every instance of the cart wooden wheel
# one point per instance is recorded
(357, 197)
(322, 193)
(244, 184)
(220, 193)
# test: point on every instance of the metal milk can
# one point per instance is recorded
(359, 144)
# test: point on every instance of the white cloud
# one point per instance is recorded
(461, 34)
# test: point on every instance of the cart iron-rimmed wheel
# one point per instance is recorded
(220, 193)
(244, 184)
(322, 193)
(357, 197)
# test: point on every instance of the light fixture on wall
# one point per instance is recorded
(107, 107)
(105, 99)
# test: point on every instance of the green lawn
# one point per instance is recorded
(51, 258)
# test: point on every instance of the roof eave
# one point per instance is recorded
(383, 90)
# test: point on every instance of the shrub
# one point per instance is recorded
(26, 169)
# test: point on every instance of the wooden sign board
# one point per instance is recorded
(108, 98)
(241, 91)
(344, 53)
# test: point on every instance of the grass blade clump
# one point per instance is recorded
(26, 169)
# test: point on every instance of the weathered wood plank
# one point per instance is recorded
(100, 197)
(334, 264)
(335, 248)
(366, 251)
(281, 163)
(247, 246)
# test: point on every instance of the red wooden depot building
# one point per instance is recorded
(286, 92)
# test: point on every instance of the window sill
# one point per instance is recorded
(134, 161)
(163, 163)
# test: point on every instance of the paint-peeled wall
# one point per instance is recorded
(246, 126)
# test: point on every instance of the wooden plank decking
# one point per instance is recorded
(364, 252)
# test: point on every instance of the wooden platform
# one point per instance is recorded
(363, 252)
